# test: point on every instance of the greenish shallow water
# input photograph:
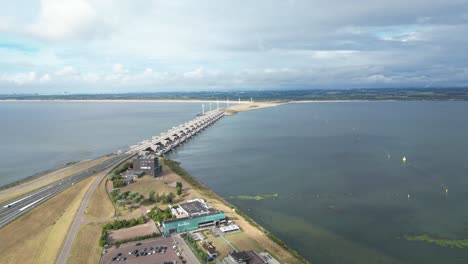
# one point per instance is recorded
(341, 183)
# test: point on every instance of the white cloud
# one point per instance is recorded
(67, 70)
(19, 78)
(119, 69)
(45, 78)
(64, 19)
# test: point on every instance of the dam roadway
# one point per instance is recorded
(12, 209)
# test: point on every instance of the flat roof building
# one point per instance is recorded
(149, 164)
(194, 214)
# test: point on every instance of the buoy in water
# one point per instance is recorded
(404, 159)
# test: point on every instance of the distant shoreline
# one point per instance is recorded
(124, 101)
(219, 101)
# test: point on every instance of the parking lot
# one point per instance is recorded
(156, 250)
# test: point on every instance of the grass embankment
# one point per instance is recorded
(37, 237)
(36, 183)
(453, 243)
(254, 231)
(85, 248)
(99, 205)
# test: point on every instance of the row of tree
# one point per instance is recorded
(119, 224)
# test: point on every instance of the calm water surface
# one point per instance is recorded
(36, 136)
(345, 195)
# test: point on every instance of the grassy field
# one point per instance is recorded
(146, 184)
(29, 186)
(85, 248)
(99, 205)
(221, 246)
(38, 236)
(242, 241)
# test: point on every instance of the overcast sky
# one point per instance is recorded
(101, 46)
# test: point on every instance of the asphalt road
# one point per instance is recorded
(67, 245)
(13, 209)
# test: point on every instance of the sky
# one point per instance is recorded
(118, 46)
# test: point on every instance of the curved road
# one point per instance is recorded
(67, 245)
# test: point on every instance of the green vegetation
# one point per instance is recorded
(126, 198)
(116, 174)
(257, 197)
(159, 215)
(119, 224)
(453, 243)
(197, 250)
(151, 197)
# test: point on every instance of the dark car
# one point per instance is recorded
(138, 244)
(114, 258)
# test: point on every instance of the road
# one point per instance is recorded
(67, 245)
(14, 208)
(185, 250)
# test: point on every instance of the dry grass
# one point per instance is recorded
(99, 205)
(134, 231)
(38, 236)
(221, 246)
(29, 186)
(85, 248)
(242, 241)
(146, 184)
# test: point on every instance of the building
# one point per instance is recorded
(229, 229)
(244, 257)
(149, 164)
(193, 215)
(210, 249)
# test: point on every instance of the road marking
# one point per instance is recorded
(33, 203)
(17, 201)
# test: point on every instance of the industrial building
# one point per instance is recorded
(244, 257)
(149, 164)
(193, 215)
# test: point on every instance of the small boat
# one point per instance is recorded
(404, 159)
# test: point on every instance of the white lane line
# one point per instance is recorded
(17, 201)
(33, 203)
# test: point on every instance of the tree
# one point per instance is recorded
(179, 191)
(178, 185)
(158, 198)
(151, 196)
(169, 198)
